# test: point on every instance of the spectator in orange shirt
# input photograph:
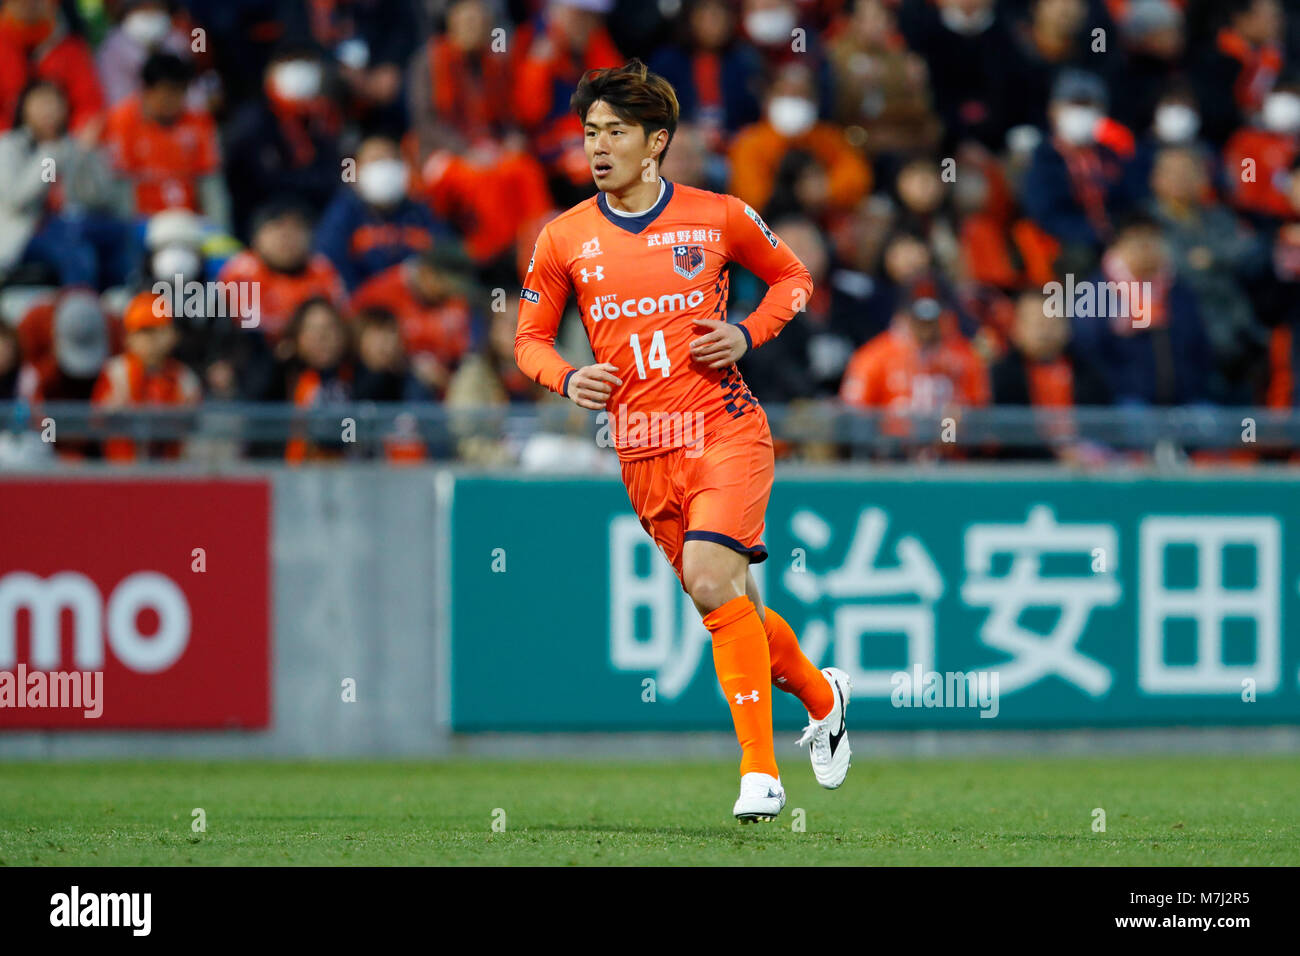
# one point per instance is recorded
(1257, 157)
(36, 43)
(791, 123)
(434, 310)
(562, 44)
(922, 363)
(285, 269)
(145, 374)
(168, 151)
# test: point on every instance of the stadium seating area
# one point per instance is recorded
(346, 190)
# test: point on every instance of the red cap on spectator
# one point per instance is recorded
(147, 311)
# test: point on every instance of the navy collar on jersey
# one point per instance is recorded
(635, 224)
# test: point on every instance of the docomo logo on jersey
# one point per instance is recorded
(608, 306)
(46, 599)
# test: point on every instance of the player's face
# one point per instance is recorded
(617, 151)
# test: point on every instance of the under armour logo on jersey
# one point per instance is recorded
(598, 275)
(741, 698)
(591, 248)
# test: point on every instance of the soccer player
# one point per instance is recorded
(647, 259)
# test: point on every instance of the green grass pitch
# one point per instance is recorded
(1033, 811)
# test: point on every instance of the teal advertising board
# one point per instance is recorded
(951, 602)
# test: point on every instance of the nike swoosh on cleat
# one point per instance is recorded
(836, 738)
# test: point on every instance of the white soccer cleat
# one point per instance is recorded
(761, 798)
(827, 739)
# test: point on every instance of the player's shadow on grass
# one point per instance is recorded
(687, 832)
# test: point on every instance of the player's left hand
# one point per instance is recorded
(721, 347)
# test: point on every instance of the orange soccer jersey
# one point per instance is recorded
(641, 281)
(165, 162)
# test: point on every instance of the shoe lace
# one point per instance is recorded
(817, 733)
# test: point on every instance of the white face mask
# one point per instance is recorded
(967, 24)
(172, 261)
(147, 27)
(770, 27)
(1282, 113)
(1177, 123)
(1078, 124)
(382, 182)
(791, 115)
(297, 79)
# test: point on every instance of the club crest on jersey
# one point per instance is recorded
(761, 225)
(688, 261)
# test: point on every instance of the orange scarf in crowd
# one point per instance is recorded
(1259, 68)
(296, 119)
(472, 90)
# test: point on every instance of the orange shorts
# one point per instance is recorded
(717, 492)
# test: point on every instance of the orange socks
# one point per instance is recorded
(740, 657)
(792, 671)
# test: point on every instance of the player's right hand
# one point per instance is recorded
(591, 385)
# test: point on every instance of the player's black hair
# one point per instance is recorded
(166, 68)
(634, 94)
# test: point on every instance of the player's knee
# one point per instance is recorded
(710, 589)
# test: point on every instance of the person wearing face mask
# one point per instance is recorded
(1238, 72)
(769, 25)
(1267, 147)
(1076, 184)
(374, 223)
(1154, 37)
(174, 240)
(372, 42)
(146, 27)
(283, 144)
(1175, 124)
(36, 43)
(1056, 35)
(791, 123)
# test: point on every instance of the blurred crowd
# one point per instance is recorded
(372, 174)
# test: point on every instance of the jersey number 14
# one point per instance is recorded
(657, 357)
